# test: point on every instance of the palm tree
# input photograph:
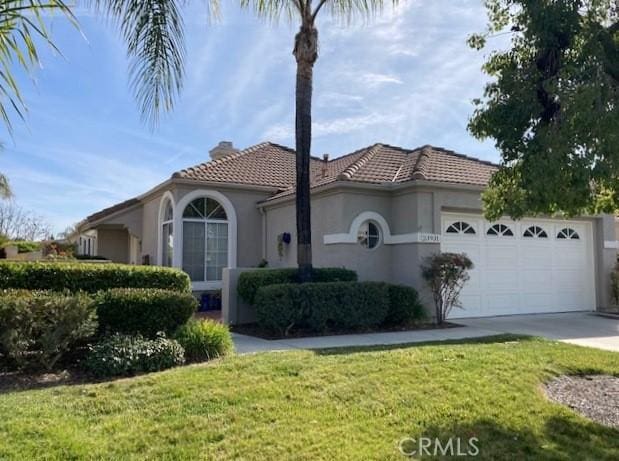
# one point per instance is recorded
(153, 31)
(22, 25)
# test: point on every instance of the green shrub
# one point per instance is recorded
(121, 355)
(37, 328)
(90, 258)
(404, 306)
(204, 340)
(614, 284)
(89, 277)
(322, 307)
(251, 281)
(143, 311)
(24, 246)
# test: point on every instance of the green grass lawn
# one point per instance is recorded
(352, 404)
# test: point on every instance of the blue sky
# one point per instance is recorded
(406, 78)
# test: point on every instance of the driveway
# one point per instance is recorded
(582, 328)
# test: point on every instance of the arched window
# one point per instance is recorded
(167, 234)
(205, 240)
(535, 232)
(460, 227)
(368, 235)
(568, 234)
(500, 230)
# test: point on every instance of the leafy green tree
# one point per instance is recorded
(552, 107)
(22, 26)
(153, 31)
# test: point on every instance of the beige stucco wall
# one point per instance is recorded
(332, 213)
(416, 209)
(130, 220)
(150, 216)
(413, 210)
(113, 244)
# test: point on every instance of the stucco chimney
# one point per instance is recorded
(325, 161)
(222, 149)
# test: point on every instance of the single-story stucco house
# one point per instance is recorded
(380, 211)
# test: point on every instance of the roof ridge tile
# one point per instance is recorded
(219, 161)
(350, 171)
(421, 165)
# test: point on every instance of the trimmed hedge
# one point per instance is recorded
(204, 340)
(143, 311)
(121, 355)
(250, 282)
(89, 277)
(405, 307)
(25, 246)
(348, 306)
(38, 328)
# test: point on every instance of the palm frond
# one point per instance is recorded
(154, 33)
(348, 10)
(273, 10)
(21, 22)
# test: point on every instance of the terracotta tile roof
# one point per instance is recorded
(382, 164)
(265, 164)
(272, 165)
(111, 210)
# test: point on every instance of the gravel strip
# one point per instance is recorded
(593, 396)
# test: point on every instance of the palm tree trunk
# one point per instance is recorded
(305, 52)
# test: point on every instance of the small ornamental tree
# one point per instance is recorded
(446, 274)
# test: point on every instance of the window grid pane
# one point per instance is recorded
(217, 250)
(193, 250)
(167, 249)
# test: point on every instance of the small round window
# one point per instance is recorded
(369, 235)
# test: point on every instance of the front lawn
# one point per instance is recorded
(352, 404)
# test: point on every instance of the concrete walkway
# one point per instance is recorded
(581, 328)
(577, 328)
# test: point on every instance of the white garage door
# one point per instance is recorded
(522, 267)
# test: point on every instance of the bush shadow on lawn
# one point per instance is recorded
(493, 339)
(561, 437)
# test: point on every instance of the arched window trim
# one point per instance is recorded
(460, 228)
(166, 198)
(567, 233)
(232, 231)
(535, 231)
(500, 230)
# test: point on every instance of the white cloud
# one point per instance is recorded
(372, 79)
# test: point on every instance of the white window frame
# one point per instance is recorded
(178, 231)
(167, 196)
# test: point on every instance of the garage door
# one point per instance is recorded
(522, 267)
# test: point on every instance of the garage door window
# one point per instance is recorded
(500, 230)
(568, 234)
(460, 227)
(535, 232)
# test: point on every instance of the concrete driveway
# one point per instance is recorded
(582, 328)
